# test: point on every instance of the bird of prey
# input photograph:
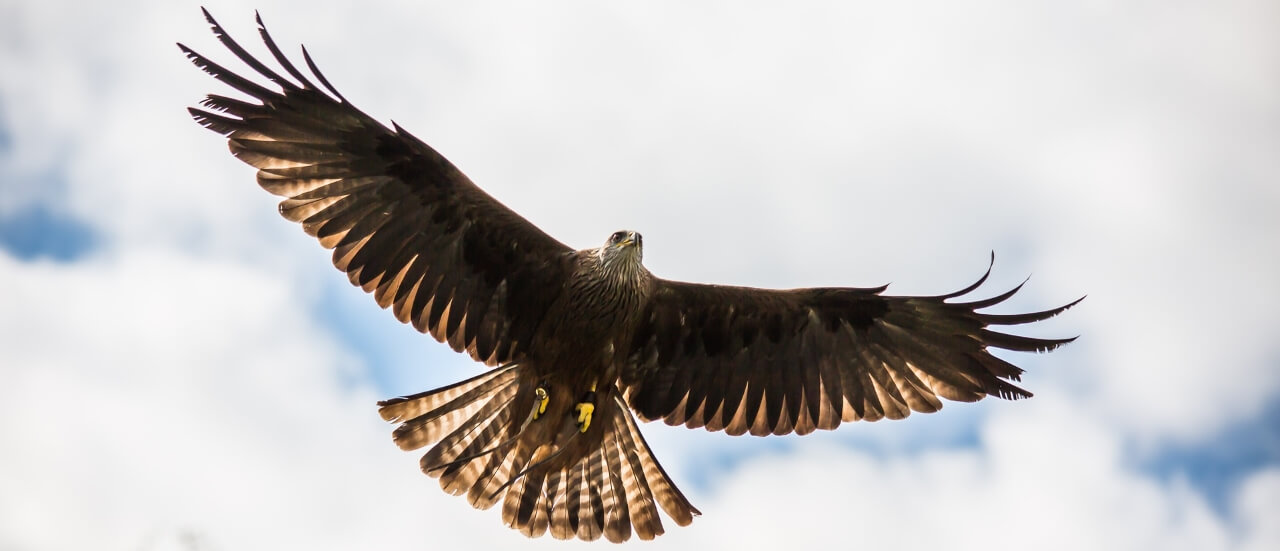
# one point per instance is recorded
(580, 340)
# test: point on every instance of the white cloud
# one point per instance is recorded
(1046, 476)
(1258, 501)
(157, 397)
(1123, 150)
(154, 392)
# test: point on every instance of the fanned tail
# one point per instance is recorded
(548, 476)
(610, 486)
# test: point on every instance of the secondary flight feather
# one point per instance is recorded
(579, 341)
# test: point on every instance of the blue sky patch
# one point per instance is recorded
(1217, 467)
(37, 232)
(397, 359)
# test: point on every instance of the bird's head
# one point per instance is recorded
(623, 246)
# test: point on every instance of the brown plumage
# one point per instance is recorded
(589, 327)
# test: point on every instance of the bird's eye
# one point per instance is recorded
(618, 236)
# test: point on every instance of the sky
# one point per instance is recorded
(181, 368)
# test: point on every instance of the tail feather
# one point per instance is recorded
(457, 429)
(664, 491)
(520, 503)
(409, 407)
(498, 471)
(558, 491)
(548, 477)
(590, 506)
(478, 433)
(572, 505)
(644, 513)
(469, 436)
(617, 517)
(461, 473)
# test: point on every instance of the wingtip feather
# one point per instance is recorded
(991, 264)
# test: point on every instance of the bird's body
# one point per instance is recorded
(541, 438)
(579, 340)
(604, 303)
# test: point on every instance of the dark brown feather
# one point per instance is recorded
(875, 356)
(392, 199)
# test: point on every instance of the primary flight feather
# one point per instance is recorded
(578, 340)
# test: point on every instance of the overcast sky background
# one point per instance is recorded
(180, 368)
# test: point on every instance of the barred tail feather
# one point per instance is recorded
(649, 472)
(417, 405)
(470, 423)
(613, 490)
(604, 483)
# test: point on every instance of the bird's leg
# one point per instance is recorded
(585, 408)
(543, 398)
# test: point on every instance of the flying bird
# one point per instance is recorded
(580, 342)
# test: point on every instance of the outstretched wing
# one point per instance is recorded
(773, 362)
(403, 222)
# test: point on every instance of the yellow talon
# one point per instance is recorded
(585, 409)
(543, 398)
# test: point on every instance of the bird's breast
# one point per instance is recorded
(584, 331)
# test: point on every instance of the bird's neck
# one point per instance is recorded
(621, 271)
